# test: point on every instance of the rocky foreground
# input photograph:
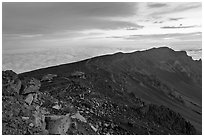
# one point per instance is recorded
(55, 104)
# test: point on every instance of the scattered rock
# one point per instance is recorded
(78, 74)
(8, 76)
(48, 77)
(95, 129)
(86, 113)
(25, 118)
(11, 83)
(35, 99)
(31, 86)
(39, 119)
(31, 124)
(58, 107)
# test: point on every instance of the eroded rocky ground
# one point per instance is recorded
(56, 104)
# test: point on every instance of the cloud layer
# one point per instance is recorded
(34, 18)
(90, 29)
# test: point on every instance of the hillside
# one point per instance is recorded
(157, 91)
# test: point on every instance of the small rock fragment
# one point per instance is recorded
(31, 124)
(78, 74)
(95, 129)
(25, 118)
(48, 77)
(106, 124)
(29, 99)
(57, 107)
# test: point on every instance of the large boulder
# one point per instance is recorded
(58, 125)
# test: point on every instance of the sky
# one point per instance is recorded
(36, 35)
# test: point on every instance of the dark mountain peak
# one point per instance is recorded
(183, 53)
(161, 49)
(119, 53)
(159, 53)
(154, 49)
(168, 50)
(200, 60)
(166, 53)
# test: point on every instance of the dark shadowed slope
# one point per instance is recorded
(159, 76)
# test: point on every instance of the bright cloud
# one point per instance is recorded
(109, 26)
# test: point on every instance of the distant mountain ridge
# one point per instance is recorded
(160, 79)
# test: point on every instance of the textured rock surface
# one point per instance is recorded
(31, 85)
(116, 94)
(10, 82)
(85, 112)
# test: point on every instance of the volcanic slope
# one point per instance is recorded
(158, 76)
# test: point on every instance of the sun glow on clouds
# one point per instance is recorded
(96, 28)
